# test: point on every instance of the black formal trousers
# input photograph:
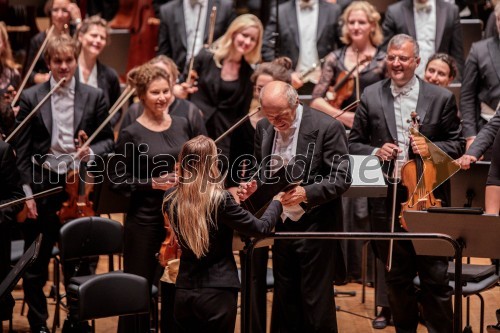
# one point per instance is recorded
(47, 224)
(205, 310)
(298, 304)
(435, 292)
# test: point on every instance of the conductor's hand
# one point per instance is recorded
(385, 153)
(466, 160)
(32, 211)
(165, 181)
(246, 189)
(419, 146)
(294, 196)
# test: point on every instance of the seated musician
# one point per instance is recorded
(381, 126)
(45, 151)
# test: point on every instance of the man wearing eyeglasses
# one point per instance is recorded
(381, 128)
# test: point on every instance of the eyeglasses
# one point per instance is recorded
(402, 59)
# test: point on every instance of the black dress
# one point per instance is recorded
(145, 154)
(223, 103)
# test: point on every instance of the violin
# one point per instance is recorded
(419, 177)
(344, 86)
(78, 190)
(170, 248)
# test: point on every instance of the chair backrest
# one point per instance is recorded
(90, 236)
(108, 295)
(472, 31)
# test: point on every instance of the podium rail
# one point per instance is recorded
(246, 272)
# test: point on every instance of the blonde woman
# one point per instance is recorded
(361, 34)
(203, 216)
(224, 88)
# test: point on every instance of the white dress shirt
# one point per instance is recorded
(190, 18)
(307, 20)
(425, 27)
(284, 149)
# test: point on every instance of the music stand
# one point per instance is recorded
(367, 177)
(467, 186)
(18, 270)
(477, 233)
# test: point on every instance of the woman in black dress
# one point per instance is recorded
(224, 90)
(203, 217)
(148, 148)
(361, 34)
(92, 38)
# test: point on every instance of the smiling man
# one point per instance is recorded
(41, 150)
(304, 269)
(381, 126)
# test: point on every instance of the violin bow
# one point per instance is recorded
(127, 93)
(34, 111)
(35, 60)
(211, 29)
(34, 196)
(235, 126)
(357, 74)
(191, 61)
(393, 220)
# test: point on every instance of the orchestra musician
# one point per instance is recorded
(207, 284)
(304, 270)
(381, 127)
(361, 34)
(63, 14)
(224, 90)
(11, 190)
(9, 82)
(480, 97)
(148, 147)
(177, 105)
(435, 24)
(93, 36)
(308, 31)
(178, 22)
(441, 70)
(46, 150)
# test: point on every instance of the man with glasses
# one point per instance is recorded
(381, 128)
(304, 269)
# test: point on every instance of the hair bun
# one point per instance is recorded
(284, 62)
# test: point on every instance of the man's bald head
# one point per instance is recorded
(279, 102)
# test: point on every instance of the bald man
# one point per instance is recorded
(304, 270)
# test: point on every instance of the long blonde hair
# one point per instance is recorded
(198, 195)
(376, 36)
(224, 44)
